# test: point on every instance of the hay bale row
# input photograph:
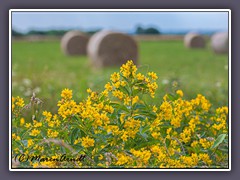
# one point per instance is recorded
(219, 42)
(105, 48)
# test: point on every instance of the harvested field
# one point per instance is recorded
(43, 68)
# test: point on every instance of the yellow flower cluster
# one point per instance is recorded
(15, 137)
(17, 105)
(30, 143)
(220, 123)
(131, 127)
(66, 94)
(128, 69)
(117, 128)
(205, 158)
(202, 102)
(52, 134)
(205, 143)
(34, 132)
(122, 159)
(142, 155)
(130, 81)
(17, 102)
(180, 93)
(22, 121)
(87, 142)
(67, 108)
(190, 161)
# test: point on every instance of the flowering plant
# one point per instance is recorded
(118, 129)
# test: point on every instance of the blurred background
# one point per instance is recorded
(40, 66)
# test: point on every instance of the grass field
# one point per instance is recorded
(43, 68)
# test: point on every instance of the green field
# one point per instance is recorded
(42, 67)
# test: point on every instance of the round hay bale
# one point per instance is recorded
(107, 48)
(194, 40)
(219, 43)
(74, 43)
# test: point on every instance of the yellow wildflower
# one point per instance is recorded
(15, 137)
(205, 143)
(155, 135)
(166, 110)
(205, 158)
(34, 132)
(117, 84)
(35, 165)
(118, 94)
(115, 77)
(28, 125)
(52, 134)
(22, 121)
(78, 140)
(66, 94)
(140, 77)
(135, 100)
(108, 86)
(36, 124)
(30, 143)
(154, 109)
(194, 144)
(100, 157)
(48, 115)
(87, 142)
(124, 137)
(122, 159)
(180, 93)
(153, 75)
(127, 100)
(123, 83)
(89, 90)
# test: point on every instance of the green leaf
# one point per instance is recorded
(139, 117)
(172, 97)
(218, 141)
(74, 135)
(115, 105)
(144, 129)
(135, 92)
(148, 114)
(142, 85)
(124, 108)
(126, 79)
(102, 98)
(139, 106)
(167, 141)
(145, 144)
(25, 142)
(123, 89)
(223, 150)
(63, 150)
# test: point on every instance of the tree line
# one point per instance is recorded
(139, 30)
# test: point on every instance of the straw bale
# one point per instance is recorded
(194, 40)
(219, 43)
(107, 48)
(74, 43)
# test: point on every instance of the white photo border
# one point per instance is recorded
(117, 10)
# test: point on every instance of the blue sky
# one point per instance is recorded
(121, 21)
